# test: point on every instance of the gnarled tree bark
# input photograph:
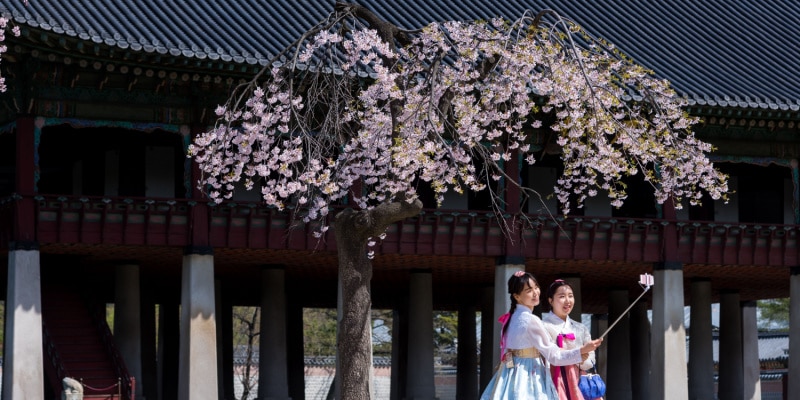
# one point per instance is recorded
(354, 342)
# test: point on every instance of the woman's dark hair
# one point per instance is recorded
(516, 284)
(551, 291)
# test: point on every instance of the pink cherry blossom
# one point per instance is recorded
(450, 106)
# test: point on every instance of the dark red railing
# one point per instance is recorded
(646, 240)
(168, 222)
(104, 220)
(126, 383)
(53, 365)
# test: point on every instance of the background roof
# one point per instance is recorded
(730, 53)
(771, 346)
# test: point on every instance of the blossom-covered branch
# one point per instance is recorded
(448, 104)
(3, 48)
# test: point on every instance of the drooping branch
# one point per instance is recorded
(363, 100)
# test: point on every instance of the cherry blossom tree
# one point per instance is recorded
(359, 110)
(4, 23)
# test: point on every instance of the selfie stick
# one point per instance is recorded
(645, 281)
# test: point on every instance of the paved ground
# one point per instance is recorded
(317, 387)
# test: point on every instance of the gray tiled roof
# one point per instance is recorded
(771, 346)
(730, 53)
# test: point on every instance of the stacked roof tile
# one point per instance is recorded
(728, 53)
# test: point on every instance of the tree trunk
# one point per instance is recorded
(354, 343)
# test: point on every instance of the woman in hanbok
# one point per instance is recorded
(568, 334)
(523, 373)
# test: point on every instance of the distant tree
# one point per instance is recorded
(246, 331)
(319, 332)
(774, 314)
(110, 316)
(362, 111)
(382, 332)
(445, 336)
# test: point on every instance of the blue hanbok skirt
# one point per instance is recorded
(524, 376)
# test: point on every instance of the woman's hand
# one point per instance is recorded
(591, 346)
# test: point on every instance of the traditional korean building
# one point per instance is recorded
(98, 205)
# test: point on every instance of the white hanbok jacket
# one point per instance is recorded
(526, 330)
(555, 326)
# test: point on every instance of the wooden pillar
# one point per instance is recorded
(502, 300)
(221, 372)
(669, 376)
(701, 357)
(294, 344)
(619, 347)
(127, 321)
(226, 321)
(23, 357)
(168, 349)
(751, 365)
(731, 385)
(487, 338)
(198, 352)
(149, 356)
(26, 176)
(599, 325)
(397, 390)
(467, 378)
(640, 351)
(420, 375)
(273, 379)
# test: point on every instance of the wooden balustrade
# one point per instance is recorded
(167, 222)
